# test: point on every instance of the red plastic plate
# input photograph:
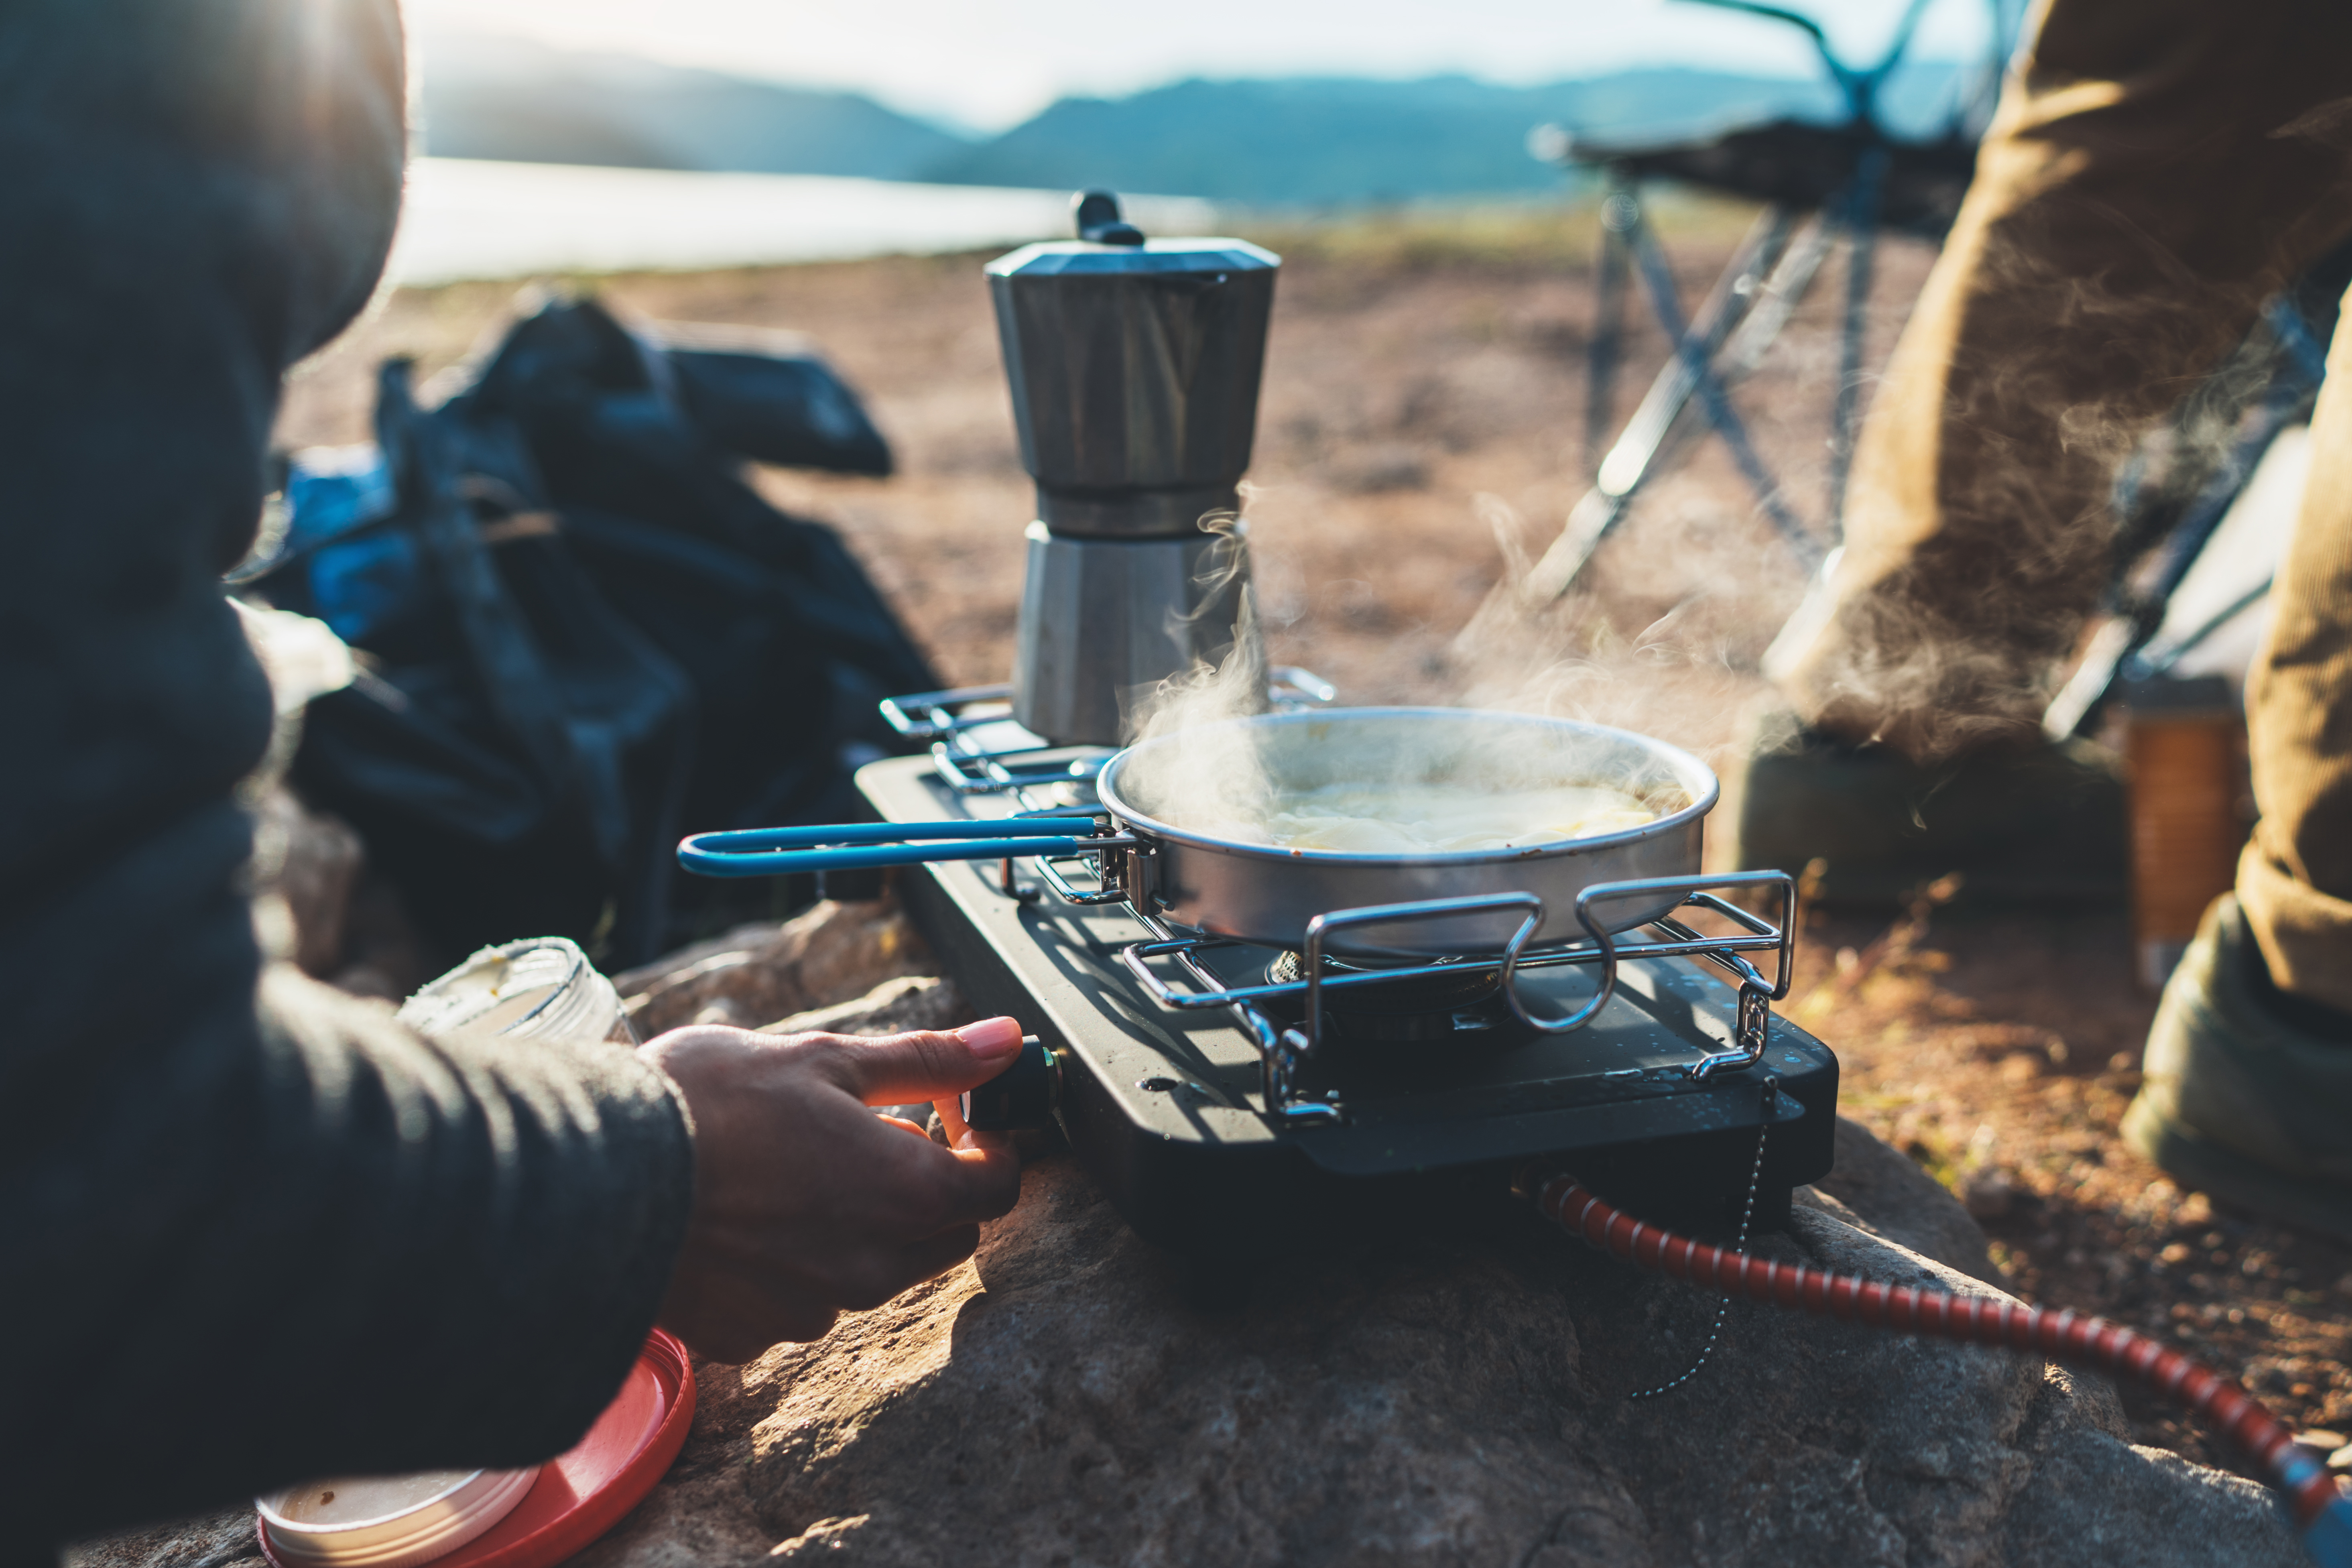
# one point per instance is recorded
(583, 1493)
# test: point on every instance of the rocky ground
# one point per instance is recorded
(1453, 1396)
(1455, 1387)
(1423, 420)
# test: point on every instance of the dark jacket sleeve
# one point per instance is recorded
(250, 1231)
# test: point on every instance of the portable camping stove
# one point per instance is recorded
(1226, 1094)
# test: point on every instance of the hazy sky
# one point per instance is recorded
(990, 65)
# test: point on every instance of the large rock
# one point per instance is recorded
(895, 1006)
(213, 1542)
(1876, 1188)
(1433, 1399)
(757, 975)
(1462, 1396)
(1449, 1398)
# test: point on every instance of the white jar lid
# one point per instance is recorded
(388, 1521)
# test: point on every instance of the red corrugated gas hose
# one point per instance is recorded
(2323, 1514)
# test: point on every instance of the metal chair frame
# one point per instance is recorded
(2270, 383)
(1772, 272)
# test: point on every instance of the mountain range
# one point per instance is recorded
(1294, 141)
(487, 97)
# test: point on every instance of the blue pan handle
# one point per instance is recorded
(774, 851)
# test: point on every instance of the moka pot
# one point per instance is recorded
(1134, 366)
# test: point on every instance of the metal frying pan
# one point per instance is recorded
(1261, 893)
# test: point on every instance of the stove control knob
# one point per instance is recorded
(1021, 1096)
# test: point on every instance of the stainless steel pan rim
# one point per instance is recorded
(1259, 892)
(1695, 778)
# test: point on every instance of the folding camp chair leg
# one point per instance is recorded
(1862, 251)
(1688, 373)
(1618, 212)
(1778, 300)
(1696, 355)
(2113, 651)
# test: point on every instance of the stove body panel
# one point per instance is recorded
(1165, 1106)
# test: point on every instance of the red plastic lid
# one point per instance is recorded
(582, 1494)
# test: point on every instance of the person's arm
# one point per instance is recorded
(247, 1239)
(254, 1231)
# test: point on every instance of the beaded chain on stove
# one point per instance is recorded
(1747, 1214)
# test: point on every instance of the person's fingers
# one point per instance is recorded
(803, 1204)
(934, 1255)
(733, 1320)
(976, 1145)
(950, 1110)
(967, 1140)
(910, 1188)
(963, 1139)
(977, 1181)
(877, 1277)
(898, 1069)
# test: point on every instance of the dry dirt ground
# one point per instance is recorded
(1422, 422)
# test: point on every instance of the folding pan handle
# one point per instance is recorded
(774, 851)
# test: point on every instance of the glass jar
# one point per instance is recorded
(540, 988)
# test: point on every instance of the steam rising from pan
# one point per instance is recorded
(1396, 780)
(1221, 874)
(1396, 788)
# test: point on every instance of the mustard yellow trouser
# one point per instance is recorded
(2156, 170)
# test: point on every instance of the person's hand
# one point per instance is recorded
(806, 1202)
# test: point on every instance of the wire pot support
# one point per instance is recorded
(979, 749)
(1286, 1050)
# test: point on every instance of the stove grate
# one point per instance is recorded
(978, 749)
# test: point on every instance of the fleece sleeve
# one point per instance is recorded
(250, 1231)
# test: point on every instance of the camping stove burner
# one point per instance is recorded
(1426, 1006)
